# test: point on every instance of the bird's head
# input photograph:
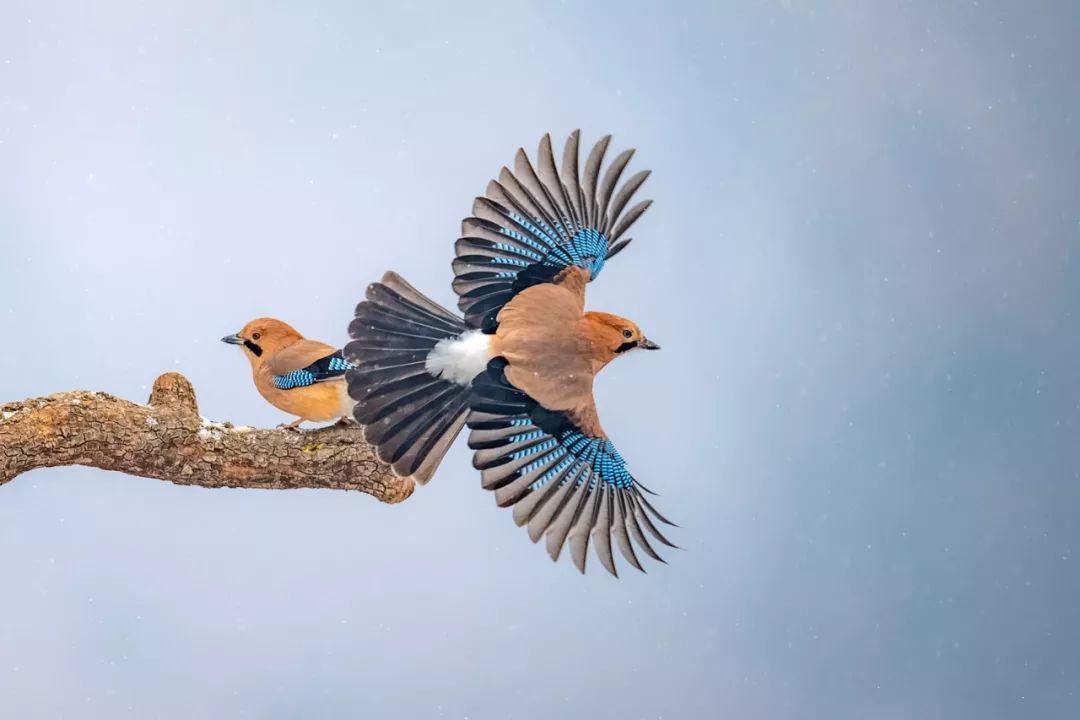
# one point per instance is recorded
(611, 336)
(263, 335)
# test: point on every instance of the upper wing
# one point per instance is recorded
(306, 363)
(559, 470)
(531, 225)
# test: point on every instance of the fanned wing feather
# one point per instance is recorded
(607, 186)
(592, 175)
(623, 196)
(601, 534)
(563, 483)
(629, 219)
(560, 528)
(535, 221)
(622, 538)
(551, 507)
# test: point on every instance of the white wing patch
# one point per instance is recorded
(460, 359)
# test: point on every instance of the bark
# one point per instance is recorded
(168, 440)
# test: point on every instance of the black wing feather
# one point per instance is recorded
(535, 221)
(562, 483)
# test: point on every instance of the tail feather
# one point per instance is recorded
(428, 450)
(394, 402)
(371, 337)
(417, 322)
(398, 326)
(407, 435)
(410, 415)
(383, 374)
(381, 359)
(400, 413)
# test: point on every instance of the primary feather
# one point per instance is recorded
(531, 224)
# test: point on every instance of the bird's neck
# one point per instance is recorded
(258, 362)
(601, 339)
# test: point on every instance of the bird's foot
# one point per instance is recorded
(293, 426)
(344, 422)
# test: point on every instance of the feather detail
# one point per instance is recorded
(330, 367)
(571, 183)
(601, 533)
(563, 484)
(622, 197)
(591, 176)
(534, 222)
(607, 185)
(410, 406)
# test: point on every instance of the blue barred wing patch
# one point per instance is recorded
(560, 481)
(606, 462)
(330, 367)
(534, 222)
(295, 379)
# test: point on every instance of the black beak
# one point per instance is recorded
(233, 339)
(647, 344)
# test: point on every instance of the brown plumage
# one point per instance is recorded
(275, 349)
(554, 348)
(518, 370)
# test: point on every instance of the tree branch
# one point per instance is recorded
(168, 440)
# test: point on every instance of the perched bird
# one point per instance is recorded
(519, 369)
(303, 377)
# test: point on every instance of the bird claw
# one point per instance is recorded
(293, 426)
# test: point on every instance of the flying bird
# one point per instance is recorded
(302, 377)
(519, 368)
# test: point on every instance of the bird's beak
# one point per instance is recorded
(647, 344)
(233, 339)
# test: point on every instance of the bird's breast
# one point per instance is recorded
(549, 363)
(320, 402)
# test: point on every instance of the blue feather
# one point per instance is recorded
(327, 368)
(295, 379)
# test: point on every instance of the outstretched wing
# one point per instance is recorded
(532, 223)
(306, 363)
(561, 473)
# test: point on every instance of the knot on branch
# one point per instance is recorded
(174, 391)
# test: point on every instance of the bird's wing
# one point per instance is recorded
(532, 223)
(305, 363)
(561, 473)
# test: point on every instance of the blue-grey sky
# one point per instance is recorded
(861, 264)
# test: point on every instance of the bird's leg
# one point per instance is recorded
(294, 425)
(344, 422)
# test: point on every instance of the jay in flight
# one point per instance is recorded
(302, 377)
(518, 369)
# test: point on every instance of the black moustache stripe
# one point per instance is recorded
(626, 346)
(253, 348)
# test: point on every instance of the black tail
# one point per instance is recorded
(409, 415)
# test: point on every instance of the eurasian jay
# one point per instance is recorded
(302, 377)
(519, 369)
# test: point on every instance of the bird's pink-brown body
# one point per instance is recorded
(274, 349)
(518, 368)
(554, 348)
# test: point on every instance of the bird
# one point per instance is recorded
(518, 368)
(302, 377)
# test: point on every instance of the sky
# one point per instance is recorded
(861, 263)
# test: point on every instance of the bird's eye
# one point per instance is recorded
(628, 334)
(256, 336)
